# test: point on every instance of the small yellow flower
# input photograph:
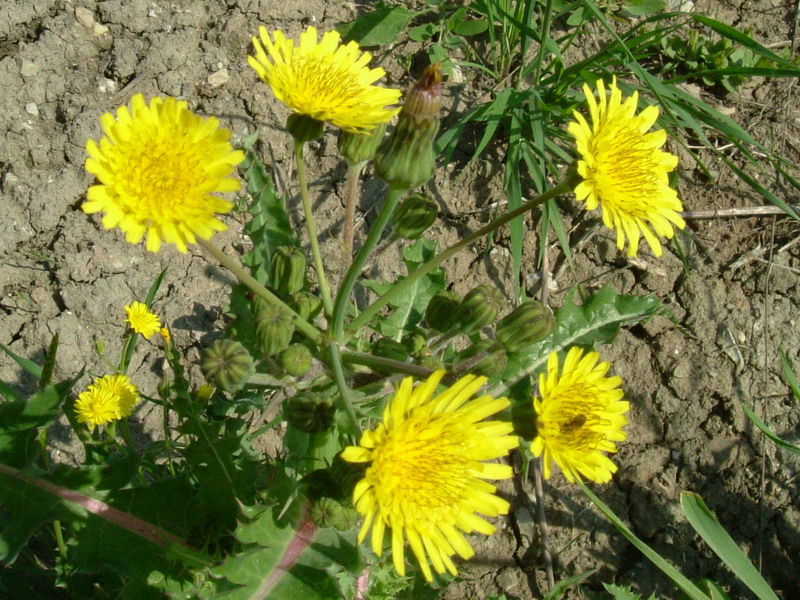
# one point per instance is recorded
(97, 406)
(324, 80)
(141, 320)
(580, 415)
(158, 166)
(120, 387)
(427, 477)
(165, 335)
(624, 170)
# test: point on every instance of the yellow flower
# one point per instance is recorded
(324, 80)
(624, 170)
(120, 387)
(427, 477)
(141, 320)
(158, 166)
(165, 335)
(580, 415)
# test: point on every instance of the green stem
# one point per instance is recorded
(400, 287)
(353, 173)
(343, 298)
(303, 326)
(378, 362)
(311, 227)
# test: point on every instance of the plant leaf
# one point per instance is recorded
(381, 26)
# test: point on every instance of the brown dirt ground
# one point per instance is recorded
(63, 64)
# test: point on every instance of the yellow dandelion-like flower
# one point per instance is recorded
(324, 80)
(97, 406)
(427, 477)
(158, 166)
(624, 170)
(141, 320)
(121, 387)
(580, 415)
(166, 335)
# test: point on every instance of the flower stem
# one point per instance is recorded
(242, 275)
(311, 227)
(343, 299)
(353, 173)
(401, 286)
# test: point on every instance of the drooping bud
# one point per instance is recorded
(327, 512)
(306, 304)
(358, 148)
(441, 312)
(274, 328)
(479, 308)
(527, 324)
(309, 412)
(389, 348)
(406, 158)
(287, 267)
(227, 364)
(304, 128)
(164, 387)
(486, 358)
(296, 360)
(414, 216)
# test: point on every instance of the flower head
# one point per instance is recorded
(624, 171)
(580, 415)
(427, 477)
(324, 80)
(107, 399)
(158, 166)
(141, 320)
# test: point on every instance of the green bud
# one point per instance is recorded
(358, 148)
(527, 324)
(327, 512)
(416, 343)
(164, 387)
(309, 412)
(304, 128)
(296, 360)
(479, 308)
(441, 311)
(414, 216)
(306, 304)
(406, 158)
(100, 347)
(491, 364)
(227, 364)
(287, 267)
(389, 348)
(274, 328)
(432, 362)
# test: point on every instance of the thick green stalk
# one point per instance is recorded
(353, 174)
(343, 299)
(399, 288)
(311, 227)
(242, 275)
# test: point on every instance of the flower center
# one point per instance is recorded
(575, 422)
(421, 469)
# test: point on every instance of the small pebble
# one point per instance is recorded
(84, 16)
(98, 29)
(32, 109)
(218, 78)
(28, 68)
(107, 86)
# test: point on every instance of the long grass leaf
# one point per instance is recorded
(769, 433)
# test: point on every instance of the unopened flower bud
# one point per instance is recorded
(309, 412)
(357, 148)
(306, 304)
(527, 324)
(479, 308)
(164, 387)
(274, 328)
(389, 348)
(432, 362)
(304, 128)
(327, 512)
(441, 311)
(484, 358)
(287, 267)
(414, 216)
(416, 343)
(406, 158)
(296, 360)
(227, 364)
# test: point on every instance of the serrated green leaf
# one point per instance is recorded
(269, 225)
(410, 308)
(642, 8)
(705, 524)
(623, 592)
(379, 27)
(596, 321)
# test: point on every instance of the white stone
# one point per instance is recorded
(28, 68)
(84, 16)
(32, 109)
(98, 29)
(218, 78)
(107, 86)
